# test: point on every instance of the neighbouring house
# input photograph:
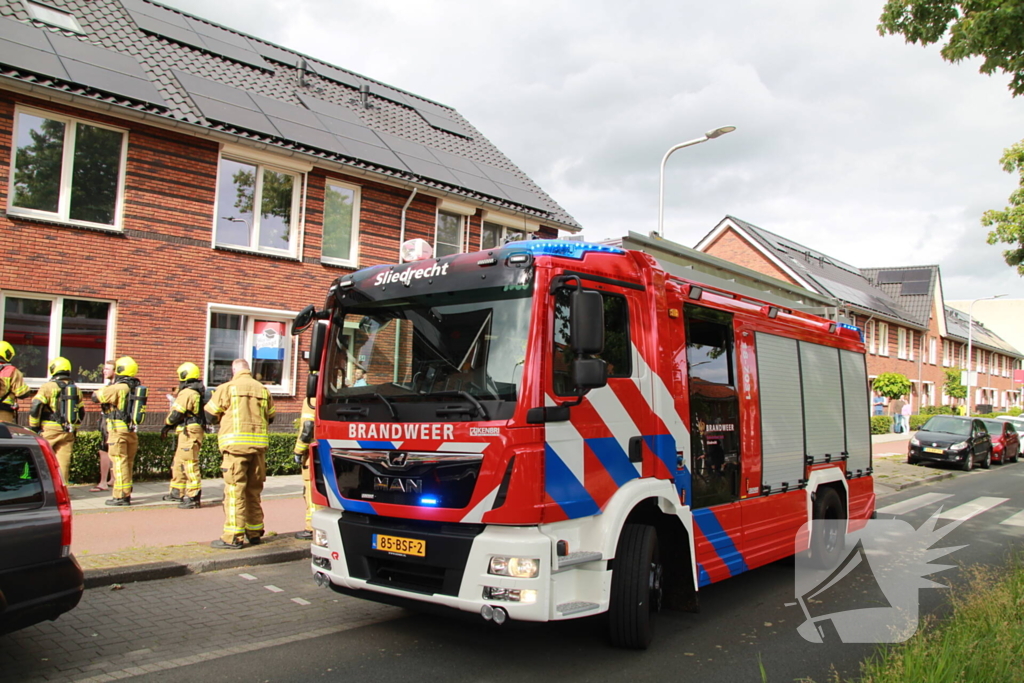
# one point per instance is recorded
(175, 190)
(907, 326)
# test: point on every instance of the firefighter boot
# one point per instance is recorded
(191, 503)
(127, 500)
(306, 535)
(174, 496)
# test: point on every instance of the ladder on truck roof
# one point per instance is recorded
(696, 266)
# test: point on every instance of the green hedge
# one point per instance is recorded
(938, 410)
(881, 424)
(153, 460)
(916, 421)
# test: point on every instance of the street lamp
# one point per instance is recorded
(710, 135)
(970, 342)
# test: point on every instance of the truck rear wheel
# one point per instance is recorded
(636, 588)
(828, 529)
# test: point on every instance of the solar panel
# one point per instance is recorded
(916, 287)
(428, 169)
(444, 123)
(335, 111)
(890, 277)
(233, 115)
(374, 154)
(283, 110)
(314, 137)
(340, 76)
(20, 56)
(196, 85)
(917, 275)
(141, 89)
(23, 34)
(478, 184)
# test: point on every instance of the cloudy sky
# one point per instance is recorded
(866, 148)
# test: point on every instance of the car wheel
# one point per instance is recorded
(968, 464)
(636, 588)
(1016, 456)
(911, 461)
(987, 462)
(828, 529)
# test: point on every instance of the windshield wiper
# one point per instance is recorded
(481, 411)
(387, 402)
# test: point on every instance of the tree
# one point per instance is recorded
(952, 386)
(891, 385)
(994, 31)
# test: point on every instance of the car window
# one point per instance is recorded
(979, 428)
(19, 479)
(948, 425)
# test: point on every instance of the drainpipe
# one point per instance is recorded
(401, 236)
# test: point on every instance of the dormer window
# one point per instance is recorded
(52, 16)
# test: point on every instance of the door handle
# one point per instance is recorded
(636, 449)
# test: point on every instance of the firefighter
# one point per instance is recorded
(12, 385)
(57, 416)
(303, 454)
(244, 409)
(123, 440)
(188, 420)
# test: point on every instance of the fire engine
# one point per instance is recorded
(554, 429)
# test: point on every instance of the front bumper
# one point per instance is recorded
(922, 454)
(454, 572)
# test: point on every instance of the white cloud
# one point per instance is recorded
(864, 147)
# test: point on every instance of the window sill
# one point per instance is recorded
(339, 264)
(112, 230)
(251, 252)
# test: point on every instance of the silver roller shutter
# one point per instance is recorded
(782, 422)
(823, 401)
(855, 400)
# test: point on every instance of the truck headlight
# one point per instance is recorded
(320, 538)
(517, 567)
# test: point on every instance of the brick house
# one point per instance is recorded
(901, 312)
(176, 191)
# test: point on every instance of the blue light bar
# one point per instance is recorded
(574, 250)
(428, 500)
(856, 329)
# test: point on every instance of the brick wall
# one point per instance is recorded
(733, 248)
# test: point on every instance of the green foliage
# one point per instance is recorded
(938, 410)
(952, 386)
(337, 222)
(1009, 222)
(916, 421)
(38, 170)
(1013, 412)
(881, 424)
(891, 385)
(153, 460)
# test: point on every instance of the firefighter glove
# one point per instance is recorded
(298, 458)
(165, 431)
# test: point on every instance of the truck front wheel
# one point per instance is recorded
(636, 588)
(828, 530)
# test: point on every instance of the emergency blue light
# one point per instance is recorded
(428, 500)
(847, 326)
(574, 250)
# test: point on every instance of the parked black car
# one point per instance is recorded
(952, 439)
(39, 577)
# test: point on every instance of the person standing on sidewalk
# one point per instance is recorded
(244, 409)
(896, 411)
(105, 475)
(188, 419)
(12, 385)
(56, 412)
(123, 440)
(303, 453)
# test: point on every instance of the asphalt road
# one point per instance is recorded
(227, 626)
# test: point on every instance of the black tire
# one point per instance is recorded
(968, 464)
(828, 529)
(911, 461)
(1016, 456)
(636, 588)
(987, 462)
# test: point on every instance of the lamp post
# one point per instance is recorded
(970, 342)
(240, 220)
(710, 135)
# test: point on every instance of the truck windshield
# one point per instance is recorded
(446, 356)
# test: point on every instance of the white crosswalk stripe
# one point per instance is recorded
(1015, 520)
(912, 504)
(972, 509)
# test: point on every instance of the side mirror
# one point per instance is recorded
(589, 373)
(586, 321)
(303, 319)
(316, 347)
(311, 382)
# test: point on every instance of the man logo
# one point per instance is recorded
(397, 485)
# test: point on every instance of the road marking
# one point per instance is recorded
(912, 504)
(248, 577)
(1015, 520)
(972, 509)
(274, 589)
(300, 601)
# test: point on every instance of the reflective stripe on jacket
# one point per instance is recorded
(113, 398)
(245, 409)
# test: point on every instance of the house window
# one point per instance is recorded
(869, 335)
(912, 343)
(493, 235)
(241, 187)
(53, 17)
(448, 239)
(901, 343)
(341, 224)
(43, 327)
(933, 357)
(883, 339)
(67, 170)
(258, 336)
(946, 353)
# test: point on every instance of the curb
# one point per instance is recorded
(926, 480)
(152, 571)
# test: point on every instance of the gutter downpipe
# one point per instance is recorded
(401, 235)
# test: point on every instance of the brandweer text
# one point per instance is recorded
(373, 432)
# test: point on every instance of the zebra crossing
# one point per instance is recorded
(960, 512)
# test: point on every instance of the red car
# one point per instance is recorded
(1005, 440)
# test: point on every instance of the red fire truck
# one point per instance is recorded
(554, 429)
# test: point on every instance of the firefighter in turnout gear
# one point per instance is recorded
(12, 385)
(57, 411)
(188, 419)
(244, 409)
(303, 454)
(122, 438)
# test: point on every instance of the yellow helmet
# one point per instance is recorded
(126, 366)
(6, 352)
(187, 371)
(60, 365)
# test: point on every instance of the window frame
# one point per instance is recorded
(298, 195)
(290, 364)
(353, 259)
(933, 354)
(55, 330)
(505, 231)
(462, 230)
(620, 373)
(883, 338)
(901, 343)
(63, 212)
(74, 25)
